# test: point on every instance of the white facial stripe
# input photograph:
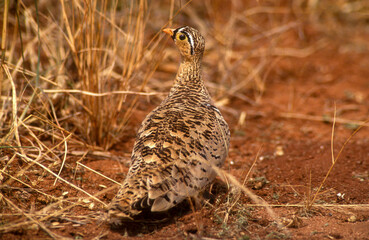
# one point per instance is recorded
(191, 42)
(190, 38)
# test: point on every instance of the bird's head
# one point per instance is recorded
(189, 41)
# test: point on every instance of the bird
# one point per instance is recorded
(178, 145)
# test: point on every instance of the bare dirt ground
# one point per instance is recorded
(283, 143)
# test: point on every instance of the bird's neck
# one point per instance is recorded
(189, 75)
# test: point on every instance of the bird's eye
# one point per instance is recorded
(182, 37)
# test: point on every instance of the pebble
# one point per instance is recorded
(352, 219)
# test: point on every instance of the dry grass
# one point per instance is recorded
(74, 72)
(311, 201)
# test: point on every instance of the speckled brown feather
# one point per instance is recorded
(177, 143)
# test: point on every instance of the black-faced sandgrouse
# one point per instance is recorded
(178, 143)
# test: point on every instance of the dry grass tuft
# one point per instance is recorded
(109, 54)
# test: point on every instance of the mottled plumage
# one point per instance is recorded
(177, 143)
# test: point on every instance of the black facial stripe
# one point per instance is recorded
(175, 33)
(189, 38)
(189, 41)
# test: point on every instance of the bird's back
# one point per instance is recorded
(175, 149)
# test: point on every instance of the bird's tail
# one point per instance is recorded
(126, 204)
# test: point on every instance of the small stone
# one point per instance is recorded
(340, 196)
(279, 151)
(293, 222)
(33, 227)
(352, 219)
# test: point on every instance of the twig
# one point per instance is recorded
(314, 205)
(334, 162)
(100, 174)
(323, 119)
(101, 94)
(224, 175)
(53, 235)
(62, 179)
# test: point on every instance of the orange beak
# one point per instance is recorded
(169, 31)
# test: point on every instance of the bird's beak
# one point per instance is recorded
(169, 31)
